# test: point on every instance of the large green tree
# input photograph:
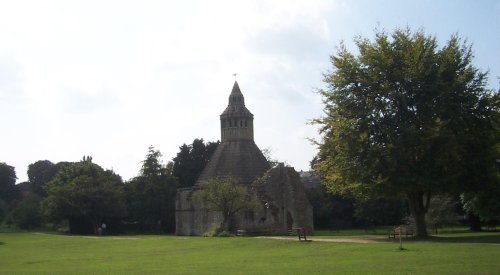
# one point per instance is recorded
(86, 195)
(8, 190)
(151, 195)
(401, 118)
(482, 200)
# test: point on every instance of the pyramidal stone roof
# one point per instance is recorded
(237, 155)
(236, 105)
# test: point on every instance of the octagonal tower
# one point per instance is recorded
(237, 155)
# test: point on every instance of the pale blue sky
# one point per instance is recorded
(110, 78)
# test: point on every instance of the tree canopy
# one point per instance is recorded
(404, 117)
(190, 161)
(226, 195)
(86, 195)
(151, 195)
(484, 204)
(40, 173)
(8, 190)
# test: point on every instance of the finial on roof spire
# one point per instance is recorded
(235, 74)
(236, 90)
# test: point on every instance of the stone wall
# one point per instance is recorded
(284, 205)
(282, 191)
(191, 218)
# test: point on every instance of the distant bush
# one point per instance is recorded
(4, 209)
(442, 212)
(217, 231)
(27, 214)
(225, 234)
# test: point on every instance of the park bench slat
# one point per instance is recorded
(403, 230)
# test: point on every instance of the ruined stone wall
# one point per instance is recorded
(284, 205)
(191, 219)
(283, 191)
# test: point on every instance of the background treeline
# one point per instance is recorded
(336, 212)
(81, 196)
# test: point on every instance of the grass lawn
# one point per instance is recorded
(464, 253)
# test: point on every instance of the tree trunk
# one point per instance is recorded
(418, 210)
(474, 222)
(223, 225)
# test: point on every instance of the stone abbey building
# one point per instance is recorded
(279, 190)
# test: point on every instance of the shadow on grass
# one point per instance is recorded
(493, 238)
(382, 231)
(490, 238)
(2, 243)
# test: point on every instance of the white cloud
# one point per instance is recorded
(110, 78)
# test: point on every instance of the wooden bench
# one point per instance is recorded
(401, 230)
(301, 234)
(241, 232)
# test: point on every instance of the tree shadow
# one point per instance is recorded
(493, 238)
(486, 238)
(2, 243)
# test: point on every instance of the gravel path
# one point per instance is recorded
(339, 240)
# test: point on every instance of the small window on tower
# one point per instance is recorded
(246, 124)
